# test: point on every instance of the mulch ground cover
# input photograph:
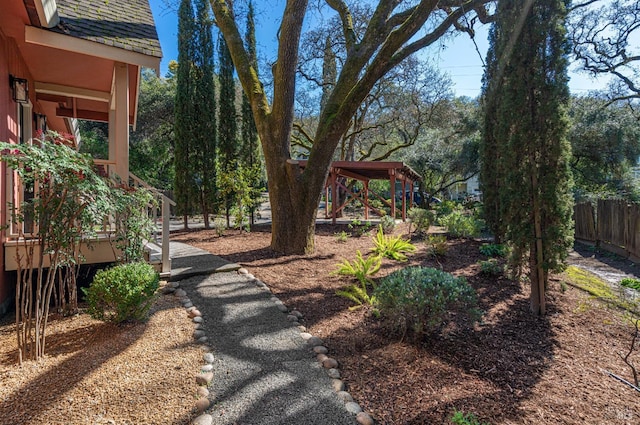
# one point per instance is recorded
(510, 368)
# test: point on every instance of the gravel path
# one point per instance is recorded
(264, 372)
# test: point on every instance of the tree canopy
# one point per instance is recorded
(392, 32)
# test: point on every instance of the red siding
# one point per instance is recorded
(10, 63)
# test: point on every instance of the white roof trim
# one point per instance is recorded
(57, 89)
(73, 44)
(47, 12)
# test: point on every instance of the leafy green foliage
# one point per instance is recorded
(445, 208)
(70, 202)
(133, 225)
(526, 176)
(342, 236)
(631, 282)
(362, 268)
(123, 292)
(437, 245)
(460, 418)
(420, 218)
(359, 228)
(185, 167)
(391, 247)
(490, 267)
(388, 224)
(358, 294)
(420, 299)
(219, 225)
(494, 250)
(460, 225)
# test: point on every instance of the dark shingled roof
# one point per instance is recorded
(125, 24)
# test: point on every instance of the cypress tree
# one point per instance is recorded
(527, 99)
(250, 152)
(184, 183)
(204, 126)
(227, 125)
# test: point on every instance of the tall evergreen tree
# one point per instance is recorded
(227, 124)
(527, 97)
(204, 127)
(250, 152)
(185, 193)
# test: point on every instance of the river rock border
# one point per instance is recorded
(205, 376)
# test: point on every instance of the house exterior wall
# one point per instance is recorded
(11, 63)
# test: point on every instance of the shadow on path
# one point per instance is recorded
(264, 373)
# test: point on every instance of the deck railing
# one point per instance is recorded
(159, 212)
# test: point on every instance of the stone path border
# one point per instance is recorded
(204, 378)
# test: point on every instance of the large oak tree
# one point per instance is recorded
(396, 29)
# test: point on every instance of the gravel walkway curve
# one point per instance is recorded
(264, 371)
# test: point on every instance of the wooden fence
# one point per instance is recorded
(613, 225)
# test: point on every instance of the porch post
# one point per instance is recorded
(121, 124)
(366, 199)
(333, 195)
(392, 180)
(404, 200)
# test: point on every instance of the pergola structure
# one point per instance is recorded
(365, 171)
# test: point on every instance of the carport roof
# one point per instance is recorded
(372, 170)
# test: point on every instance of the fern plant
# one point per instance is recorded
(361, 268)
(392, 247)
(357, 294)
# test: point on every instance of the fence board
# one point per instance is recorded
(585, 220)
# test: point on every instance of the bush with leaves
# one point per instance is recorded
(630, 282)
(437, 245)
(359, 228)
(490, 267)
(420, 299)
(388, 224)
(392, 247)
(494, 250)
(70, 202)
(123, 292)
(445, 208)
(459, 225)
(420, 218)
(134, 226)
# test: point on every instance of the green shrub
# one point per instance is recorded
(388, 224)
(123, 292)
(420, 299)
(460, 418)
(437, 245)
(490, 267)
(494, 250)
(631, 282)
(420, 218)
(460, 225)
(359, 228)
(342, 236)
(445, 208)
(219, 225)
(391, 247)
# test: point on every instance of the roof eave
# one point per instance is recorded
(78, 45)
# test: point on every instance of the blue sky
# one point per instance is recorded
(459, 57)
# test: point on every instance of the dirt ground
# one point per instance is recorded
(511, 368)
(98, 373)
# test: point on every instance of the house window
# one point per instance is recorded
(26, 191)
